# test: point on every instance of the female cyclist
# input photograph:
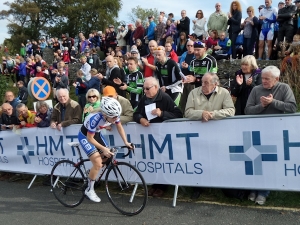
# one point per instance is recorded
(93, 143)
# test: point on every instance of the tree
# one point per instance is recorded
(142, 14)
(31, 19)
(28, 19)
(86, 15)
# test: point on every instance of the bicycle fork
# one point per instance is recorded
(127, 186)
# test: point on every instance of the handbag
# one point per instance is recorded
(239, 39)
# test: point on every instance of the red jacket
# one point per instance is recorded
(211, 42)
(148, 72)
(139, 32)
(173, 56)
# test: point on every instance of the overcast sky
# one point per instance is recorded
(168, 6)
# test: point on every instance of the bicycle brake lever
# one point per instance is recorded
(129, 149)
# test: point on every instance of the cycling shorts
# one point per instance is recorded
(87, 147)
(266, 34)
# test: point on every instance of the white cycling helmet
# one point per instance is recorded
(110, 107)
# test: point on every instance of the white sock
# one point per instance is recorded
(91, 184)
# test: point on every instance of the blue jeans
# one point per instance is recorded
(262, 193)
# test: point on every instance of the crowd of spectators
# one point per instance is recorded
(161, 63)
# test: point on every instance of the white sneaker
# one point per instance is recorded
(261, 200)
(92, 195)
(252, 196)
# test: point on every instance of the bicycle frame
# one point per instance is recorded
(111, 162)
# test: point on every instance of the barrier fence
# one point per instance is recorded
(238, 152)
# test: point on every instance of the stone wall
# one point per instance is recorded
(230, 67)
(73, 68)
(224, 67)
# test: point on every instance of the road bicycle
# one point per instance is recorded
(125, 186)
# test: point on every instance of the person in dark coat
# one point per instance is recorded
(23, 92)
(165, 110)
(246, 78)
(234, 22)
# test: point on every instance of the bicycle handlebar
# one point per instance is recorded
(129, 149)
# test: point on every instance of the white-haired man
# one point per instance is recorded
(66, 112)
(270, 97)
(165, 109)
(208, 102)
(139, 31)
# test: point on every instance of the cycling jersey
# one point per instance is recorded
(168, 76)
(199, 67)
(93, 123)
(270, 13)
(135, 87)
(167, 73)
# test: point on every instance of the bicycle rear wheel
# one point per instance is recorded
(68, 183)
(126, 188)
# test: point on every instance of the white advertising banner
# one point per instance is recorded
(240, 152)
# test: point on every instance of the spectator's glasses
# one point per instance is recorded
(158, 48)
(189, 45)
(148, 88)
(92, 96)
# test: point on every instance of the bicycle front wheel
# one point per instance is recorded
(68, 183)
(126, 188)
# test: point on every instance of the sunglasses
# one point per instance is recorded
(92, 96)
(158, 48)
(148, 88)
(197, 43)
(249, 11)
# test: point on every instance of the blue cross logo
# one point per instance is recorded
(30, 150)
(253, 153)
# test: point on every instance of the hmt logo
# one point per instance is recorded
(253, 153)
(25, 150)
(1, 147)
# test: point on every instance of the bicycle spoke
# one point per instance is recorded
(68, 183)
(126, 188)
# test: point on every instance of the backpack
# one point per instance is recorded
(10, 64)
